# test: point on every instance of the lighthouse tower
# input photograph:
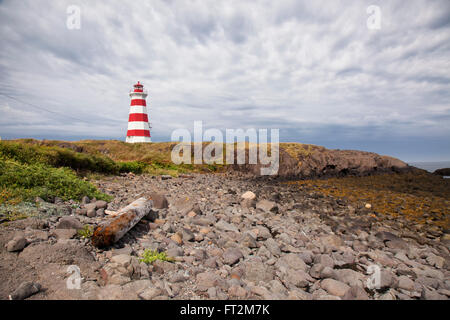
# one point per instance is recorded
(138, 127)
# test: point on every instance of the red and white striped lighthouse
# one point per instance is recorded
(138, 126)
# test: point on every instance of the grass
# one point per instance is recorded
(417, 196)
(150, 256)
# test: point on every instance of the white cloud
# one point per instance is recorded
(231, 64)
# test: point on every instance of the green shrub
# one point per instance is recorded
(132, 166)
(28, 181)
(150, 256)
(86, 232)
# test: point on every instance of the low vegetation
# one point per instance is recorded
(150, 256)
(86, 232)
(418, 196)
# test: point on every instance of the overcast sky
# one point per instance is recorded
(313, 69)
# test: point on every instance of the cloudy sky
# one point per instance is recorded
(313, 69)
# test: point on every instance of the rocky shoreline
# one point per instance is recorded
(232, 236)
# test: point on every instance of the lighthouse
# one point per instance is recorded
(138, 126)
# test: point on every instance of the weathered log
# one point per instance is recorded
(127, 218)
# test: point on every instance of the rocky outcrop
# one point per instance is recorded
(321, 162)
(442, 172)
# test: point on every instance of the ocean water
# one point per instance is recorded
(431, 166)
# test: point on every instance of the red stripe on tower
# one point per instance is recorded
(138, 133)
(138, 102)
(138, 117)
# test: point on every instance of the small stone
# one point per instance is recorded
(81, 212)
(368, 206)
(405, 283)
(100, 204)
(231, 256)
(187, 235)
(64, 233)
(206, 280)
(177, 238)
(16, 244)
(100, 212)
(69, 223)
(150, 293)
(267, 206)
(291, 261)
(225, 226)
(25, 290)
(85, 200)
(122, 259)
(334, 287)
(248, 241)
(273, 247)
(298, 278)
(159, 201)
(356, 293)
(435, 261)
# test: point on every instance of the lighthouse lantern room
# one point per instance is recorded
(138, 126)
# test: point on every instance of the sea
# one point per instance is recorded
(431, 166)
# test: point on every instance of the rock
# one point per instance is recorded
(187, 235)
(175, 252)
(248, 195)
(273, 247)
(81, 212)
(256, 270)
(350, 277)
(177, 238)
(159, 201)
(356, 293)
(231, 256)
(248, 200)
(225, 226)
(64, 233)
(69, 223)
(389, 295)
(25, 290)
(152, 216)
(150, 293)
(324, 260)
(16, 244)
(122, 259)
(237, 291)
(85, 200)
(388, 279)
(100, 204)
(206, 280)
(331, 241)
(267, 206)
(100, 212)
(334, 287)
(405, 283)
(166, 177)
(431, 295)
(298, 278)
(90, 209)
(436, 261)
(291, 261)
(248, 241)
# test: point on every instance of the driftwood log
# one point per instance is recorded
(109, 233)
